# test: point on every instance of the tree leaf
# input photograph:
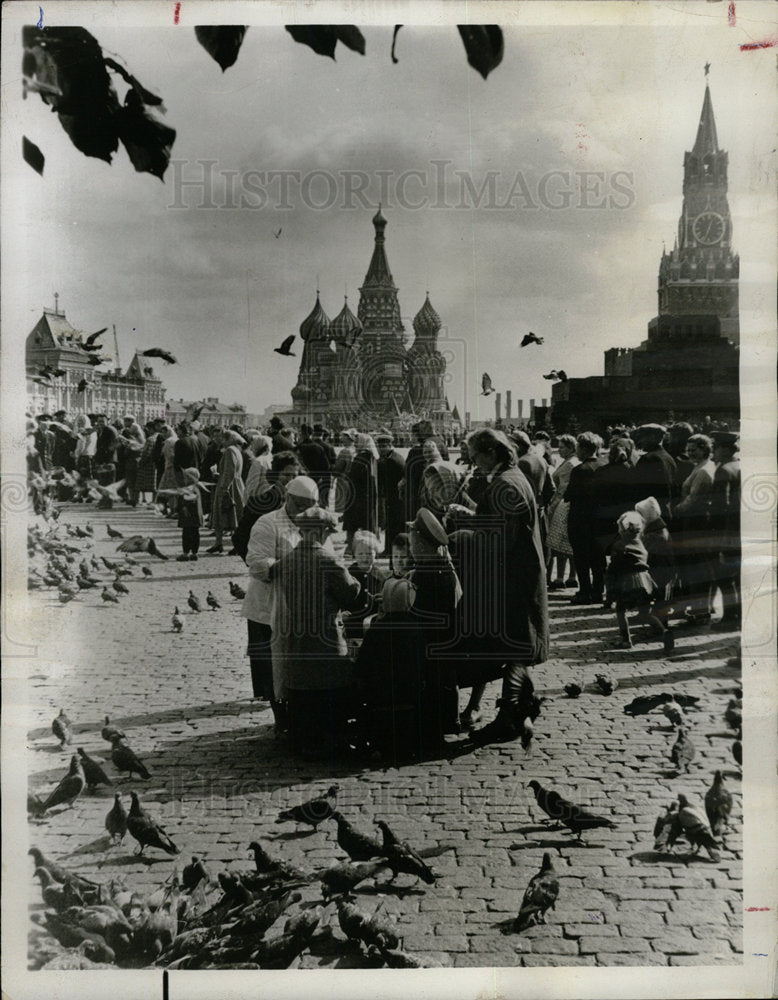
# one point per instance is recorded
(394, 42)
(222, 42)
(33, 155)
(148, 141)
(484, 46)
(145, 95)
(319, 37)
(351, 37)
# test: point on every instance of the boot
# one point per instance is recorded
(507, 726)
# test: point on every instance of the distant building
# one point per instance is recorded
(54, 345)
(688, 367)
(357, 370)
(214, 413)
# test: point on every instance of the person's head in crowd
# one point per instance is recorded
(318, 432)
(630, 525)
(566, 446)
(431, 452)
(620, 451)
(191, 476)
(677, 436)
(285, 465)
(489, 448)
(184, 429)
(699, 448)
(464, 453)
(427, 536)
(365, 547)
(521, 442)
(649, 509)
(587, 445)
(260, 445)
(725, 446)
(384, 442)
(42, 419)
(230, 437)
(165, 431)
(60, 416)
(305, 432)
(315, 524)
(402, 560)
(365, 443)
(301, 493)
(648, 437)
(276, 423)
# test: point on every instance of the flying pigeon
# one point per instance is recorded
(158, 352)
(530, 338)
(278, 232)
(562, 375)
(486, 385)
(89, 344)
(285, 347)
(552, 375)
(539, 896)
(567, 813)
(146, 830)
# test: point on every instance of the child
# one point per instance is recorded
(190, 513)
(628, 581)
(397, 592)
(366, 547)
(661, 562)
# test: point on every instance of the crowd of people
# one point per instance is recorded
(443, 583)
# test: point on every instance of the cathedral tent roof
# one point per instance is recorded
(316, 325)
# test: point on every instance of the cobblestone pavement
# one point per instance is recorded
(219, 777)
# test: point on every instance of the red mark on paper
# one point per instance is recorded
(580, 135)
(176, 12)
(731, 15)
(751, 46)
(756, 909)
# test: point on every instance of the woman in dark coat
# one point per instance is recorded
(362, 508)
(514, 582)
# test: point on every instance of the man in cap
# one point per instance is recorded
(272, 536)
(391, 509)
(725, 526)
(309, 648)
(655, 472)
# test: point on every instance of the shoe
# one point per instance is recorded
(470, 719)
(580, 599)
(668, 641)
(232, 552)
(193, 558)
(500, 730)
(556, 585)
(183, 558)
(624, 644)
(216, 550)
(571, 582)
(697, 617)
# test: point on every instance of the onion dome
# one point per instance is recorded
(316, 325)
(426, 321)
(345, 328)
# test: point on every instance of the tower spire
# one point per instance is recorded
(707, 140)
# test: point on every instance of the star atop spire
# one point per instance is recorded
(707, 68)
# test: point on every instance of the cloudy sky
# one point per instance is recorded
(587, 95)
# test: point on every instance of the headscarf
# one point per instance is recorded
(364, 442)
(649, 509)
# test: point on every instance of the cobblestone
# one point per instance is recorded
(219, 777)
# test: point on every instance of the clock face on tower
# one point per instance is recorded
(708, 228)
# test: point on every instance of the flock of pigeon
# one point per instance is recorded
(555, 375)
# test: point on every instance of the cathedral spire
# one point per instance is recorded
(707, 141)
(378, 274)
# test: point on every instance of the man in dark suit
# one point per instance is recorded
(187, 452)
(391, 509)
(320, 435)
(655, 472)
(589, 559)
(414, 466)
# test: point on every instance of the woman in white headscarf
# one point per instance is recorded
(362, 507)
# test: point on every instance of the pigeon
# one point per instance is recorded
(112, 533)
(193, 603)
(278, 232)
(109, 564)
(561, 375)
(87, 888)
(530, 338)
(234, 890)
(147, 571)
(62, 728)
(84, 584)
(211, 601)
(108, 732)
(647, 703)
(734, 714)
(158, 352)
(55, 895)
(312, 812)
(718, 805)
(692, 825)
(737, 749)
(552, 375)
(116, 819)
(125, 759)
(194, 873)
(683, 751)
(72, 936)
(401, 857)
(343, 878)
(280, 952)
(237, 592)
(664, 826)
(539, 897)
(280, 870)
(285, 347)
(141, 543)
(177, 621)
(65, 595)
(146, 830)
(567, 813)
(606, 684)
(486, 385)
(69, 788)
(357, 926)
(573, 690)
(94, 775)
(673, 712)
(359, 846)
(89, 343)
(119, 587)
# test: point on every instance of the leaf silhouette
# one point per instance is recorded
(148, 141)
(323, 38)
(32, 155)
(222, 42)
(484, 46)
(394, 42)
